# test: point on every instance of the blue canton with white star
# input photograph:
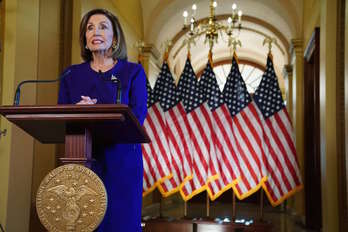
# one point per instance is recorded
(189, 90)
(151, 98)
(268, 96)
(235, 92)
(210, 88)
(165, 89)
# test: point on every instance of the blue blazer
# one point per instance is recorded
(120, 166)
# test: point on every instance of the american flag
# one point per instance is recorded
(283, 171)
(156, 155)
(247, 133)
(177, 129)
(222, 127)
(204, 162)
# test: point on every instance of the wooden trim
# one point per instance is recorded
(312, 177)
(342, 115)
(66, 33)
(78, 148)
(2, 38)
(344, 219)
(67, 117)
(48, 123)
(310, 47)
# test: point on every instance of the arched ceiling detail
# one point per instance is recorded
(276, 18)
(285, 15)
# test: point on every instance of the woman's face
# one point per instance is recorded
(99, 33)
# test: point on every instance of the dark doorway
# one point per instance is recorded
(312, 134)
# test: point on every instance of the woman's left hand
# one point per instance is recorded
(85, 100)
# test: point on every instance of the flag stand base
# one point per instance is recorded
(155, 225)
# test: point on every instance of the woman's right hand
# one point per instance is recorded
(85, 100)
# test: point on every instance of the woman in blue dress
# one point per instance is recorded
(120, 166)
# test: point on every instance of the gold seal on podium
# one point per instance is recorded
(71, 198)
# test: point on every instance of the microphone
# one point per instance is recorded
(117, 82)
(18, 89)
(119, 88)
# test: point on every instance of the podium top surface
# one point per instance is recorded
(49, 124)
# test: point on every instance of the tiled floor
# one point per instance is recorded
(281, 220)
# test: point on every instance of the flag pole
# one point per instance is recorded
(188, 57)
(210, 58)
(185, 209)
(207, 205)
(161, 207)
(233, 206)
(261, 204)
(268, 41)
(167, 45)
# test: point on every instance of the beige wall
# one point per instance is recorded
(48, 64)
(323, 14)
(16, 149)
(328, 112)
(311, 18)
(131, 12)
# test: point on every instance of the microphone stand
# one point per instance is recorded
(117, 81)
(18, 89)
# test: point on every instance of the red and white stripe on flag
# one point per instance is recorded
(248, 143)
(178, 130)
(283, 172)
(205, 166)
(247, 133)
(221, 134)
(156, 155)
(226, 155)
(284, 178)
(204, 163)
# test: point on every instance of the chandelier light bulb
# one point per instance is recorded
(234, 6)
(214, 4)
(185, 14)
(194, 7)
(240, 17)
(192, 25)
(229, 20)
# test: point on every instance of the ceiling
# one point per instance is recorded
(280, 19)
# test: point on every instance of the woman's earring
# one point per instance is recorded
(86, 47)
(114, 45)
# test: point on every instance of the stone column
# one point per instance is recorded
(297, 115)
(328, 114)
(150, 59)
(287, 74)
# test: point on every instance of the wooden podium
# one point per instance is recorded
(78, 126)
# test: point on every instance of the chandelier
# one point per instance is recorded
(211, 27)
